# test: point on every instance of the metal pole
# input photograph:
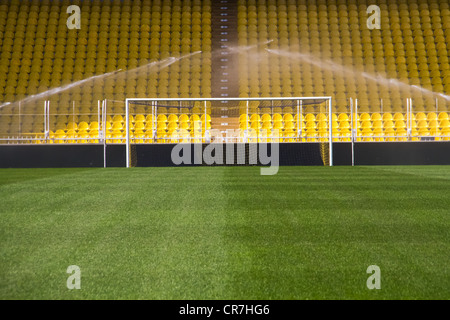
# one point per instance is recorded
(356, 123)
(98, 113)
(155, 124)
(153, 119)
(300, 116)
(104, 132)
(330, 125)
(48, 121)
(407, 118)
(351, 132)
(410, 110)
(356, 130)
(45, 118)
(436, 132)
(20, 121)
(127, 118)
(298, 120)
(206, 128)
(246, 125)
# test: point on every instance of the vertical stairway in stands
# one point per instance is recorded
(225, 64)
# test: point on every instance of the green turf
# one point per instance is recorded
(225, 232)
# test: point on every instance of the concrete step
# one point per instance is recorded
(223, 123)
(225, 72)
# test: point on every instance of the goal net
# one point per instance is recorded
(248, 121)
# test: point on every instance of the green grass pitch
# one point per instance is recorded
(225, 232)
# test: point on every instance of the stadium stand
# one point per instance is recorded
(286, 48)
(341, 57)
(410, 46)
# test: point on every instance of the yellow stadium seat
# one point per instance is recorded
(422, 124)
(431, 116)
(255, 125)
(443, 116)
(266, 125)
(366, 124)
(310, 117)
(207, 116)
(401, 134)
(266, 117)
(72, 126)
(376, 117)
(255, 117)
(94, 125)
(366, 135)
(83, 126)
(344, 125)
(445, 134)
(139, 126)
(289, 125)
(277, 117)
(388, 124)
(400, 124)
(398, 116)
(343, 117)
(243, 118)
(59, 136)
(172, 118)
(161, 118)
(433, 124)
(118, 118)
(421, 116)
(389, 134)
(364, 117)
(183, 118)
(139, 118)
(117, 126)
(345, 135)
(378, 134)
(161, 125)
(194, 118)
(287, 117)
(172, 126)
(311, 124)
(196, 125)
(445, 123)
(377, 124)
(278, 125)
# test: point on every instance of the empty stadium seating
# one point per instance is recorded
(341, 57)
(287, 48)
(39, 53)
(369, 126)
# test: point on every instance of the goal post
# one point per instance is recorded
(287, 119)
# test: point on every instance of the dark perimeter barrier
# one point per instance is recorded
(160, 155)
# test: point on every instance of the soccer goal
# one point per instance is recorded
(230, 120)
